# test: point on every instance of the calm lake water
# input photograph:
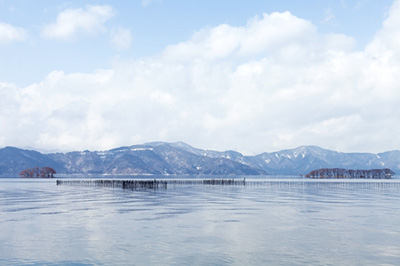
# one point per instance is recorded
(269, 222)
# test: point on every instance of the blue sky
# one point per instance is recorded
(153, 25)
(247, 75)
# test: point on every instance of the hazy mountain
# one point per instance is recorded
(181, 158)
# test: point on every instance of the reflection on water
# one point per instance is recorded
(268, 222)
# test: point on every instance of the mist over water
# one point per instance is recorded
(265, 222)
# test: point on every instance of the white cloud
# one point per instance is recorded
(273, 83)
(329, 16)
(9, 33)
(120, 38)
(386, 44)
(148, 2)
(259, 37)
(70, 22)
(360, 4)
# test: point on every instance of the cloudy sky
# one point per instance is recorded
(253, 76)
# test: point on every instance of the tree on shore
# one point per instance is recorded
(36, 172)
(349, 173)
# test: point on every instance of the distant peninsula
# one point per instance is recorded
(349, 173)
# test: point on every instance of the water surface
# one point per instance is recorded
(269, 222)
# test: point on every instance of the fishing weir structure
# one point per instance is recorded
(148, 184)
(154, 184)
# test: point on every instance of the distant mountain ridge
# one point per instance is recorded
(157, 158)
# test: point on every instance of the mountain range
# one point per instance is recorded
(162, 158)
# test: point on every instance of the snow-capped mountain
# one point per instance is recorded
(304, 159)
(151, 158)
(181, 158)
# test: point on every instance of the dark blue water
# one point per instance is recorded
(270, 222)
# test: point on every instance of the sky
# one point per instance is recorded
(251, 76)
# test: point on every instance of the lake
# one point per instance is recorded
(265, 222)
